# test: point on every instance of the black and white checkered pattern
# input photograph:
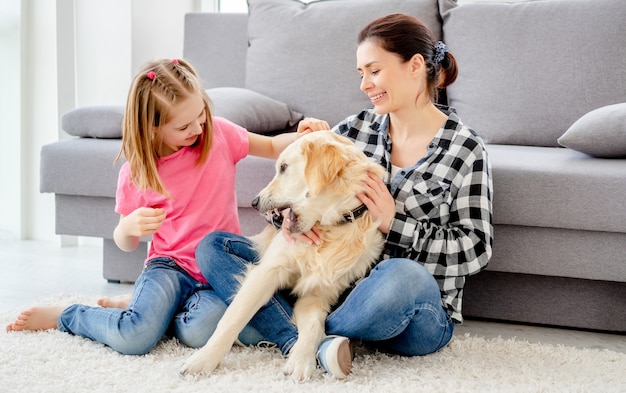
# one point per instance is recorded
(443, 203)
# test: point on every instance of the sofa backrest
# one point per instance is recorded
(216, 45)
(301, 54)
(305, 54)
(529, 70)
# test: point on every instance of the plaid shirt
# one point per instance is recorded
(443, 202)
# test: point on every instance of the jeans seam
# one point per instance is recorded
(441, 323)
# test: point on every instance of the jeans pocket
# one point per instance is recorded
(161, 262)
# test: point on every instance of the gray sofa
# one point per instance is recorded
(543, 82)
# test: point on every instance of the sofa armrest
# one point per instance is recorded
(216, 44)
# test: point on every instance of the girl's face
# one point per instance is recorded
(184, 126)
(390, 83)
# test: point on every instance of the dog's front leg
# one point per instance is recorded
(256, 290)
(310, 317)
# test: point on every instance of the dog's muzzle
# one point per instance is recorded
(274, 216)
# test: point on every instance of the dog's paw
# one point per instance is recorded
(300, 370)
(199, 363)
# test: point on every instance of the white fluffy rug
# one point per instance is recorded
(56, 362)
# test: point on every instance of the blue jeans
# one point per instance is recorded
(396, 308)
(166, 302)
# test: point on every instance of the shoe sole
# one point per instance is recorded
(342, 368)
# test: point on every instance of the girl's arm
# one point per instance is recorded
(271, 147)
(144, 221)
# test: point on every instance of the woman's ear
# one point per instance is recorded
(417, 63)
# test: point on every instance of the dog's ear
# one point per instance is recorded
(323, 163)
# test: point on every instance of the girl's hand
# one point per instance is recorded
(379, 202)
(311, 237)
(309, 124)
(143, 221)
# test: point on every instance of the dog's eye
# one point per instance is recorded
(283, 168)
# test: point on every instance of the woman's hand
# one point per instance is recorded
(310, 124)
(379, 202)
(311, 237)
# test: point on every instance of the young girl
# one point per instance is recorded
(177, 185)
(435, 209)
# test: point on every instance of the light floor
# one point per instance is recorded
(32, 271)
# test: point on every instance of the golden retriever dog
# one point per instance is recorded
(317, 178)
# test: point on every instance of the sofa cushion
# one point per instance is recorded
(554, 187)
(528, 70)
(599, 133)
(253, 111)
(101, 121)
(91, 161)
(301, 53)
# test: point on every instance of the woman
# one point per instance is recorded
(434, 209)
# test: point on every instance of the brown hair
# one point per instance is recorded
(406, 36)
(155, 89)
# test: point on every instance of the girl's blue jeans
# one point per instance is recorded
(166, 302)
(396, 308)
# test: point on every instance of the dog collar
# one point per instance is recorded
(353, 214)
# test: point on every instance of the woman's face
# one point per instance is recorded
(185, 124)
(390, 83)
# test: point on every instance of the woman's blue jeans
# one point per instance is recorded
(166, 301)
(396, 308)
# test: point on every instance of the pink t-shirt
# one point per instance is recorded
(203, 197)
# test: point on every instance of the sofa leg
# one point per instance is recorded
(69, 241)
(120, 266)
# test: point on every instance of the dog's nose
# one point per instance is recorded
(255, 203)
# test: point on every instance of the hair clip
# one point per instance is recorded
(175, 61)
(151, 75)
(440, 52)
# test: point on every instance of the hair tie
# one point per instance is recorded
(175, 61)
(151, 75)
(440, 52)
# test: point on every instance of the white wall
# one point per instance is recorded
(28, 82)
(57, 55)
(10, 136)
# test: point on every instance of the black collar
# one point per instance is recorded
(353, 214)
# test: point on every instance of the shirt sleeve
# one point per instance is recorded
(236, 137)
(126, 194)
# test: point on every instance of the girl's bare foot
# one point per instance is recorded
(119, 301)
(37, 318)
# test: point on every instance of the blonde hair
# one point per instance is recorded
(157, 87)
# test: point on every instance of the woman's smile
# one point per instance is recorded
(377, 97)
